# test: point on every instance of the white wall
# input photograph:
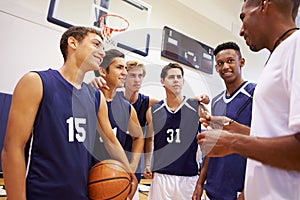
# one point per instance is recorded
(29, 42)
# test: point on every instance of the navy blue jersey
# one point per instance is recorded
(226, 175)
(175, 144)
(119, 110)
(58, 161)
(141, 106)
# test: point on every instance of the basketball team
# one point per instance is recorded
(245, 146)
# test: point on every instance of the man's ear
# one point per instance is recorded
(102, 72)
(162, 82)
(72, 42)
(242, 62)
(264, 5)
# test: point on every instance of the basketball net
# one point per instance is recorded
(110, 23)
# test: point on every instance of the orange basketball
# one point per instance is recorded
(108, 179)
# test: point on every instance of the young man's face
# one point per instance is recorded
(116, 74)
(228, 65)
(173, 82)
(134, 79)
(89, 52)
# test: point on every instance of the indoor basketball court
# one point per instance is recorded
(155, 33)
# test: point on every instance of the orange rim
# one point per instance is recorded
(106, 30)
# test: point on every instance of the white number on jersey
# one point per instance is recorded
(170, 133)
(81, 133)
(115, 132)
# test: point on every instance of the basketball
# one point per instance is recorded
(108, 179)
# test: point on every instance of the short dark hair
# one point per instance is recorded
(166, 68)
(79, 33)
(253, 2)
(295, 8)
(110, 55)
(227, 45)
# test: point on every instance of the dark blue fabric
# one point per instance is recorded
(226, 175)
(141, 106)
(5, 101)
(119, 111)
(175, 144)
(64, 130)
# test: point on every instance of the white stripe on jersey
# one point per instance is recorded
(184, 102)
(29, 154)
(242, 90)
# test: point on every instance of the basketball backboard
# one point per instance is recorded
(68, 13)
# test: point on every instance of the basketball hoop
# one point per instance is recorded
(110, 23)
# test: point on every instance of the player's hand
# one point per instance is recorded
(241, 196)
(216, 122)
(99, 82)
(203, 98)
(147, 173)
(197, 192)
(134, 186)
(216, 142)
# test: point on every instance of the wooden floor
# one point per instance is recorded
(144, 194)
(1, 184)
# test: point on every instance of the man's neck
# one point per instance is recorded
(231, 87)
(131, 96)
(109, 94)
(174, 101)
(73, 75)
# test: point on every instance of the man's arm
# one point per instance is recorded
(25, 103)
(136, 133)
(148, 145)
(225, 123)
(280, 152)
(201, 180)
(152, 101)
(111, 142)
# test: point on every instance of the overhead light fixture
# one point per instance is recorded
(136, 4)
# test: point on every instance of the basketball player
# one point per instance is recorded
(55, 115)
(171, 137)
(122, 115)
(273, 147)
(224, 176)
(135, 74)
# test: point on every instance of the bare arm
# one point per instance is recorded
(136, 133)
(201, 180)
(111, 142)
(280, 152)
(148, 145)
(25, 103)
(225, 123)
(152, 101)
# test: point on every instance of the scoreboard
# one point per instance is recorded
(183, 49)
